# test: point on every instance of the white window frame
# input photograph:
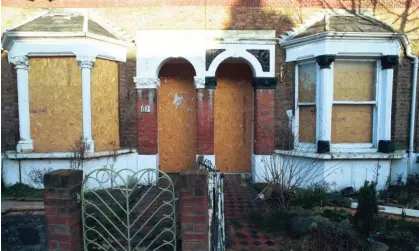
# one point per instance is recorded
(304, 146)
(340, 147)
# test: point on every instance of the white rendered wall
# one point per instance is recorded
(10, 168)
(337, 173)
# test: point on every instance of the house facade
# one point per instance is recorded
(147, 84)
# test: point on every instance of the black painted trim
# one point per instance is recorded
(323, 146)
(325, 61)
(386, 146)
(388, 62)
(210, 82)
(210, 54)
(264, 83)
(263, 56)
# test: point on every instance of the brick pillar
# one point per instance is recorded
(147, 121)
(204, 121)
(62, 211)
(264, 121)
(194, 210)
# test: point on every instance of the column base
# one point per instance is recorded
(323, 146)
(386, 146)
(24, 146)
(90, 145)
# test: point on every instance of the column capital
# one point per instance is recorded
(325, 61)
(20, 62)
(388, 62)
(147, 83)
(210, 82)
(86, 61)
(199, 82)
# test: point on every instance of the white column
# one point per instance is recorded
(25, 143)
(86, 66)
(324, 100)
(385, 103)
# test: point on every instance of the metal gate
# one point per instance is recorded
(216, 206)
(128, 210)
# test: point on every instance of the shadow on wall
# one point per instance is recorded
(402, 20)
(262, 17)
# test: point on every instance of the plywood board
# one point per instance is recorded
(307, 82)
(233, 115)
(177, 117)
(352, 124)
(354, 81)
(307, 124)
(55, 103)
(105, 118)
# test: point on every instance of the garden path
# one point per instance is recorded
(239, 201)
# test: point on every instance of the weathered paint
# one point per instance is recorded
(176, 117)
(233, 115)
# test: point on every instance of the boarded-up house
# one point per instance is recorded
(237, 82)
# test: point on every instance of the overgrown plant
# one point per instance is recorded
(78, 155)
(288, 170)
(365, 218)
(36, 175)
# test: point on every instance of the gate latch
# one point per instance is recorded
(78, 198)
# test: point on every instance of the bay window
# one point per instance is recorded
(338, 104)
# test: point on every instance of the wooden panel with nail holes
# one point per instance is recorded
(352, 123)
(55, 103)
(233, 115)
(177, 117)
(105, 120)
(307, 124)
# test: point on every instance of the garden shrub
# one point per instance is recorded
(311, 197)
(365, 218)
(20, 190)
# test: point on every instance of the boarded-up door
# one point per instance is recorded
(177, 117)
(233, 113)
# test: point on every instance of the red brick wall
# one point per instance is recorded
(147, 121)
(9, 107)
(127, 102)
(204, 121)
(62, 211)
(263, 129)
(194, 210)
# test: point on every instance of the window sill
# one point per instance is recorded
(63, 155)
(399, 154)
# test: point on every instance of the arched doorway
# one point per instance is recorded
(233, 117)
(176, 116)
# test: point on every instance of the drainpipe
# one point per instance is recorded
(413, 103)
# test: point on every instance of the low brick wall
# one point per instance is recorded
(194, 210)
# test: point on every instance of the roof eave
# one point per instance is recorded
(10, 36)
(346, 35)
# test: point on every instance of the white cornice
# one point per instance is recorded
(341, 35)
(9, 37)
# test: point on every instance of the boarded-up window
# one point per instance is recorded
(354, 81)
(307, 102)
(354, 101)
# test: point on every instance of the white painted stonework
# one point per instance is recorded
(156, 47)
(339, 173)
(342, 44)
(18, 170)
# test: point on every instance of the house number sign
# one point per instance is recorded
(145, 108)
